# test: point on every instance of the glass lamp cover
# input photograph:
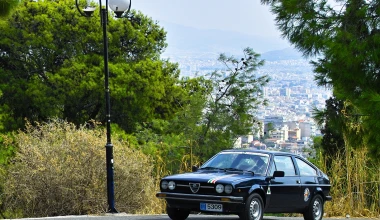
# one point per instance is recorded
(92, 3)
(119, 5)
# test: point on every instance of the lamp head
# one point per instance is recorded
(120, 6)
(89, 11)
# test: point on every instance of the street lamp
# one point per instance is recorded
(120, 7)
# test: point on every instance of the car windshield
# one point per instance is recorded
(246, 161)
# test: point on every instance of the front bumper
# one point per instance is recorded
(199, 198)
(231, 204)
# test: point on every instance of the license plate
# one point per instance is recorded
(211, 207)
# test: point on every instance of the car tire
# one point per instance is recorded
(177, 214)
(254, 208)
(315, 209)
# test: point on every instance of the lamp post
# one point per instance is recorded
(119, 7)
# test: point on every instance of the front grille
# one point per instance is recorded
(204, 188)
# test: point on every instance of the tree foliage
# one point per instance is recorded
(6, 7)
(51, 65)
(345, 37)
(332, 125)
(226, 104)
(220, 107)
(232, 101)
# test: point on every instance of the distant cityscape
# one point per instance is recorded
(286, 123)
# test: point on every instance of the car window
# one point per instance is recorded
(305, 169)
(243, 161)
(285, 163)
(221, 161)
(256, 163)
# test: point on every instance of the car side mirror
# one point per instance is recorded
(276, 173)
(194, 168)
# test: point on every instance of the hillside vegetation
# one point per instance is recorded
(59, 169)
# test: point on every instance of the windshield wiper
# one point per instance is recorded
(210, 168)
(232, 169)
(235, 169)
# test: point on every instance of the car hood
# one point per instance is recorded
(212, 177)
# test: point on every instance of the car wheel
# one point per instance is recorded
(254, 208)
(177, 214)
(315, 209)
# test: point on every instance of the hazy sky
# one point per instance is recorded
(245, 16)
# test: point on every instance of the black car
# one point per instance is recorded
(248, 183)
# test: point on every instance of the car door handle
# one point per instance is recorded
(298, 181)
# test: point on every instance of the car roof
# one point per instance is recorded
(258, 151)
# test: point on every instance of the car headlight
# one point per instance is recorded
(228, 189)
(171, 185)
(164, 184)
(219, 188)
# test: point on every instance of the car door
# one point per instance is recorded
(285, 191)
(309, 180)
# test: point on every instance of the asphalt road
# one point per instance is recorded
(123, 216)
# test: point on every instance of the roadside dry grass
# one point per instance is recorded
(355, 189)
(59, 169)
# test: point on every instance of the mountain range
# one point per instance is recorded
(189, 41)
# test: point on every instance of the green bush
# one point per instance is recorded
(60, 170)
